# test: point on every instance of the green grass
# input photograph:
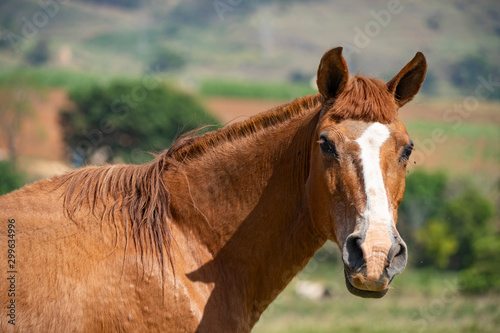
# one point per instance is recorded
(47, 77)
(254, 89)
(420, 301)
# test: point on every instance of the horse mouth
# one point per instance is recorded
(363, 293)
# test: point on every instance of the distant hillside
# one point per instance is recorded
(259, 40)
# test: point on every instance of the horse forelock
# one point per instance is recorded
(364, 99)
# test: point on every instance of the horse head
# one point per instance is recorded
(358, 168)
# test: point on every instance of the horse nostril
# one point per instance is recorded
(400, 252)
(353, 254)
(398, 261)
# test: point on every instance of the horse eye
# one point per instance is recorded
(407, 151)
(327, 147)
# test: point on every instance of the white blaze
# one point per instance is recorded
(377, 242)
(377, 206)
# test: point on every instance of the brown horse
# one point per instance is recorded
(208, 234)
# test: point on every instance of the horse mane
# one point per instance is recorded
(188, 147)
(139, 194)
(365, 99)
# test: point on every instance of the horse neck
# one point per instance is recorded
(246, 202)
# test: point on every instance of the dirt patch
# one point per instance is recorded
(39, 132)
(448, 111)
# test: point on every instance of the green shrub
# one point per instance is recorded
(438, 241)
(164, 60)
(423, 200)
(464, 73)
(468, 215)
(128, 118)
(484, 273)
(9, 179)
(441, 219)
(39, 54)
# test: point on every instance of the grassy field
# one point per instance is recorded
(420, 301)
(46, 77)
(254, 89)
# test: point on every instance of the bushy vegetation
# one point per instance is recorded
(39, 53)
(10, 180)
(165, 60)
(484, 273)
(126, 118)
(464, 74)
(446, 224)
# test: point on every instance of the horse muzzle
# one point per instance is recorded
(370, 267)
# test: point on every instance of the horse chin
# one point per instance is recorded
(363, 293)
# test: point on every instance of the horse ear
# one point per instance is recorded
(406, 84)
(332, 74)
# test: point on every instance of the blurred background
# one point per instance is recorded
(108, 81)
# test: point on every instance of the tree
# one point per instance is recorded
(128, 119)
(10, 180)
(164, 60)
(39, 54)
(465, 72)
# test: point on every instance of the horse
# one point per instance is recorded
(204, 237)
